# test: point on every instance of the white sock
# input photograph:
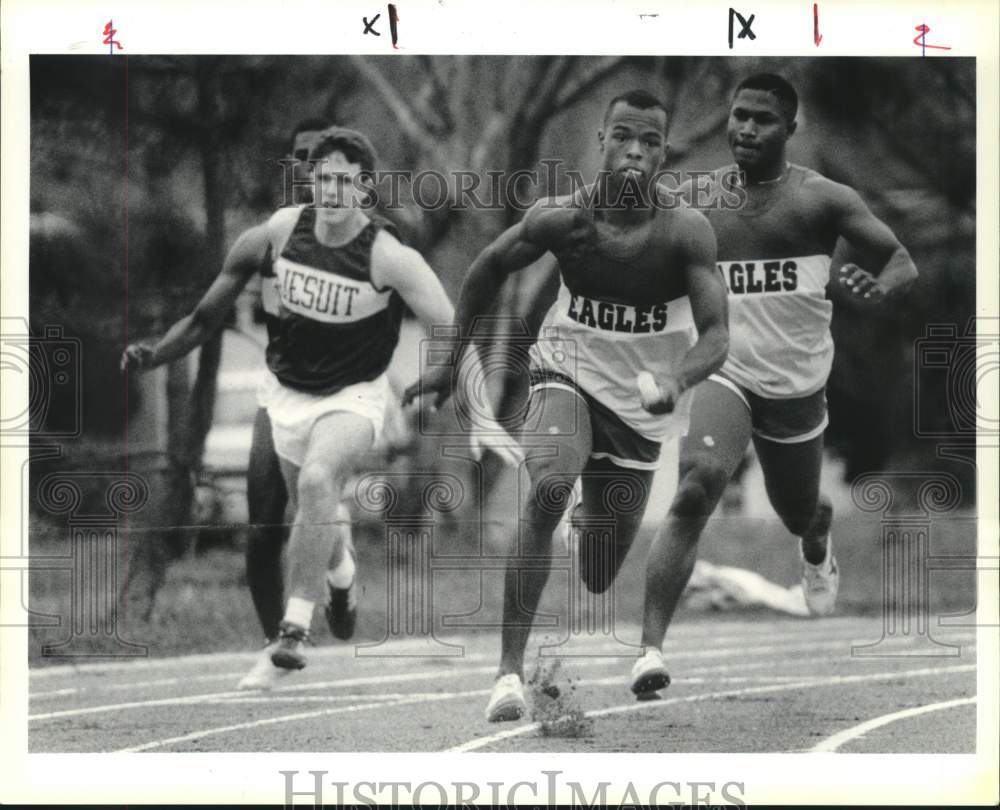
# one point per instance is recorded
(299, 611)
(343, 575)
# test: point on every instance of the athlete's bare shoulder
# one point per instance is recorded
(287, 215)
(388, 250)
(552, 219)
(827, 195)
(280, 225)
(704, 190)
(396, 265)
(689, 229)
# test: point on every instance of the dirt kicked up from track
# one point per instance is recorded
(756, 685)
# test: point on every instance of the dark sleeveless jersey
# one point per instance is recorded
(621, 309)
(328, 326)
(774, 255)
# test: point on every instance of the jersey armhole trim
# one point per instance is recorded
(726, 383)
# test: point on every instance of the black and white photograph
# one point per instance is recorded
(549, 404)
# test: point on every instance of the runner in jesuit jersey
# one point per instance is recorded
(334, 287)
(267, 496)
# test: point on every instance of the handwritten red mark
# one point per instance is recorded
(817, 36)
(921, 40)
(109, 37)
(393, 19)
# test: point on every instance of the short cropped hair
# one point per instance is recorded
(777, 86)
(640, 99)
(355, 146)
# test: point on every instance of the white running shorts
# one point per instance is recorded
(293, 413)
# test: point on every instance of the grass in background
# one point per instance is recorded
(205, 605)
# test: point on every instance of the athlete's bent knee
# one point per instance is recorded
(699, 489)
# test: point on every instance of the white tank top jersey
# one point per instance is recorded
(603, 346)
(775, 260)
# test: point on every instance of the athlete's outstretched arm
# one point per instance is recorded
(406, 271)
(709, 306)
(514, 249)
(403, 269)
(242, 261)
(866, 232)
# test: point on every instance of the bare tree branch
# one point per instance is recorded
(408, 119)
(542, 93)
(496, 126)
(439, 93)
(588, 82)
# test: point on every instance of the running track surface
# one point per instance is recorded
(756, 684)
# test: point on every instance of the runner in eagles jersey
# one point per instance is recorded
(774, 256)
(639, 294)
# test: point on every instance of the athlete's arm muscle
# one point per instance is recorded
(513, 250)
(244, 259)
(867, 233)
(405, 270)
(709, 305)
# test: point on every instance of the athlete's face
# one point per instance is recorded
(633, 142)
(341, 191)
(758, 129)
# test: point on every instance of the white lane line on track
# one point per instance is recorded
(205, 660)
(331, 654)
(615, 679)
(725, 652)
(482, 742)
(141, 704)
(117, 687)
(288, 718)
(835, 741)
(441, 696)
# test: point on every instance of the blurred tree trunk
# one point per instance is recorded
(190, 407)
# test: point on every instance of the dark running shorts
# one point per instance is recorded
(786, 421)
(612, 439)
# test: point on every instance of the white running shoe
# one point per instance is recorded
(507, 701)
(821, 582)
(263, 674)
(649, 674)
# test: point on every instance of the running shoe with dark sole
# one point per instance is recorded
(341, 608)
(264, 674)
(288, 652)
